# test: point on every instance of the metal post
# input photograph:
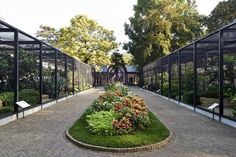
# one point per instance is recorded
(195, 74)
(151, 83)
(66, 71)
(180, 75)
(169, 76)
(73, 75)
(16, 71)
(40, 74)
(56, 57)
(161, 78)
(221, 75)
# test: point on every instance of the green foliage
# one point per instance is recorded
(98, 106)
(229, 61)
(159, 27)
(111, 87)
(6, 110)
(233, 99)
(31, 96)
(165, 84)
(101, 122)
(174, 83)
(6, 66)
(110, 97)
(229, 90)
(223, 14)
(49, 82)
(234, 112)
(128, 58)
(156, 132)
(117, 87)
(117, 59)
(188, 97)
(7, 98)
(210, 92)
(188, 78)
(28, 71)
(84, 39)
(131, 111)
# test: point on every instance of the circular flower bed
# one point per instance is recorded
(119, 121)
(117, 111)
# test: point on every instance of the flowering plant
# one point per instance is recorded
(127, 113)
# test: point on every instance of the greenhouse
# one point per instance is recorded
(199, 74)
(36, 72)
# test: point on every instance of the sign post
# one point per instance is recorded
(23, 105)
(212, 107)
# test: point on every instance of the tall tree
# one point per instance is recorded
(84, 38)
(161, 26)
(223, 14)
(47, 34)
(128, 58)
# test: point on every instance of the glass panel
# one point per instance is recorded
(70, 75)
(208, 72)
(229, 49)
(29, 76)
(61, 75)
(187, 75)
(6, 80)
(165, 76)
(48, 73)
(174, 76)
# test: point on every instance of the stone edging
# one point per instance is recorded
(158, 145)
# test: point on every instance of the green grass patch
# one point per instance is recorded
(156, 132)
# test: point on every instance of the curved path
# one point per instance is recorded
(42, 133)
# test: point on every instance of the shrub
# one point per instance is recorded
(7, 98)
(117, 111)
(211, 92)
(31, 96)
(233, 99)
(98, 106)
(6, 110)
(188, 98)
(118, 88)
(101, 122)
(229, 90)
(111, 87)
(133, 115)
(234, 112)
(110, 97)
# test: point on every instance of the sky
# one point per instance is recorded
(28, 15)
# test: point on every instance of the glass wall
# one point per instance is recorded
(229, 67)
(6, 79)
(70, 75)
(174, 76)
(201, 74)
(29, 76)
(208, 71)
(48, 74)
(36, 72)
(187, 75)
(165, 76)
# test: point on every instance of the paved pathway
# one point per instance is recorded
(42, 134)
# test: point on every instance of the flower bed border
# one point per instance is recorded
(158, 145)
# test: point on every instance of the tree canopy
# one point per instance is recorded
(223, 14)
(84, 38)
(161, 26)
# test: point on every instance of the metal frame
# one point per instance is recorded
(214, 44)
(13, 39)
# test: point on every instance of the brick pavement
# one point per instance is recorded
(42, 133)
